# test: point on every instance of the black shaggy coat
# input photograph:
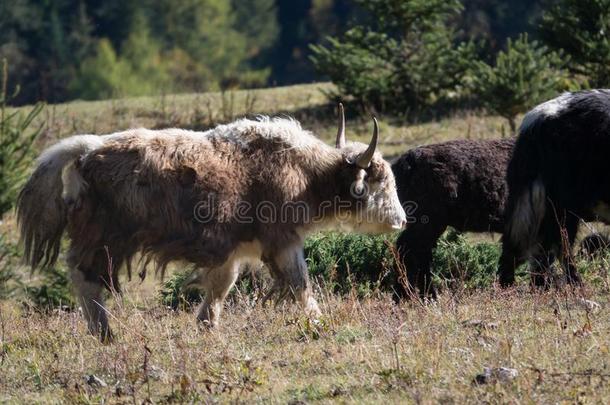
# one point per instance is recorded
(459, 184)
(559, 175)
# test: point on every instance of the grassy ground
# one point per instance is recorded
(307, 103)
(360, 350)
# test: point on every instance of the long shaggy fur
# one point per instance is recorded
(161, 175)
(41, 210)
(176, 195)
(558, 176)
(459, 184)
(152, 176)
(527, 215)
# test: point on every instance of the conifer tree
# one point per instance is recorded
(581, 28)
(407, 58)
(17, 136)
(522, 76)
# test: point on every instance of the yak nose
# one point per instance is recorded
(400, 225)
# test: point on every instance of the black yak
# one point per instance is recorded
(459, 184)
(246, 190)
(559, 174)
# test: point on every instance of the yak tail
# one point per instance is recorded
(527, 202)
(527, 215)
(42, 205)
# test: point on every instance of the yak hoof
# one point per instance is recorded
(205, 324)
(312, 308)
(506, 282)
(106, 336)
(574, 279)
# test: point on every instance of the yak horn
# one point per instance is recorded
(340, 143)
(364, 160)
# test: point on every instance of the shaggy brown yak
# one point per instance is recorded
(459, 183)
(246, 190)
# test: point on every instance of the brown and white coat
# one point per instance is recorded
(252, 189)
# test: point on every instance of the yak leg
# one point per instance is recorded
(557, 235)
(89, 294)
(549, 247)
(512, 257)
(541, 269)
(567, 259)
(289, 269)
(558, 232)
(280, 285)
(216, 283)
(415, 247)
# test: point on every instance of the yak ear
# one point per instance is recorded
(364, 160)
(340, 142)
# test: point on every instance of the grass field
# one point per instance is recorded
(307, 103)
(361, 350)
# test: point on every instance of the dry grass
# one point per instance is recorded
(196, 111)
(359, 351)
(307, 103)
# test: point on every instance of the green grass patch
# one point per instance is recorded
(53, 290)
(351, 262)
(456, 261)
(175, 293)
(363, 265)
(10, 280)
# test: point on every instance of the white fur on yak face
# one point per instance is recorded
(380, 210)
(383, 203)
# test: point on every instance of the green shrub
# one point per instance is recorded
(456, 261)
(16, 144)
(595, 269)
(10, 282)
(176, 295)
(345, 262)
(405, 59)
(524, 75)
(54, 291)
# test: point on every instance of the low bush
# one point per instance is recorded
(363, 264)
(17, 136)
(176, 294)
(348, 262)
(53, 290)
(595, 268)
(9, 279)
(457, 262)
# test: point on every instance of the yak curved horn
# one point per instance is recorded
(340, 143)
(364, 160)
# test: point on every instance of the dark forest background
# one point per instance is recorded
(60, 50)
